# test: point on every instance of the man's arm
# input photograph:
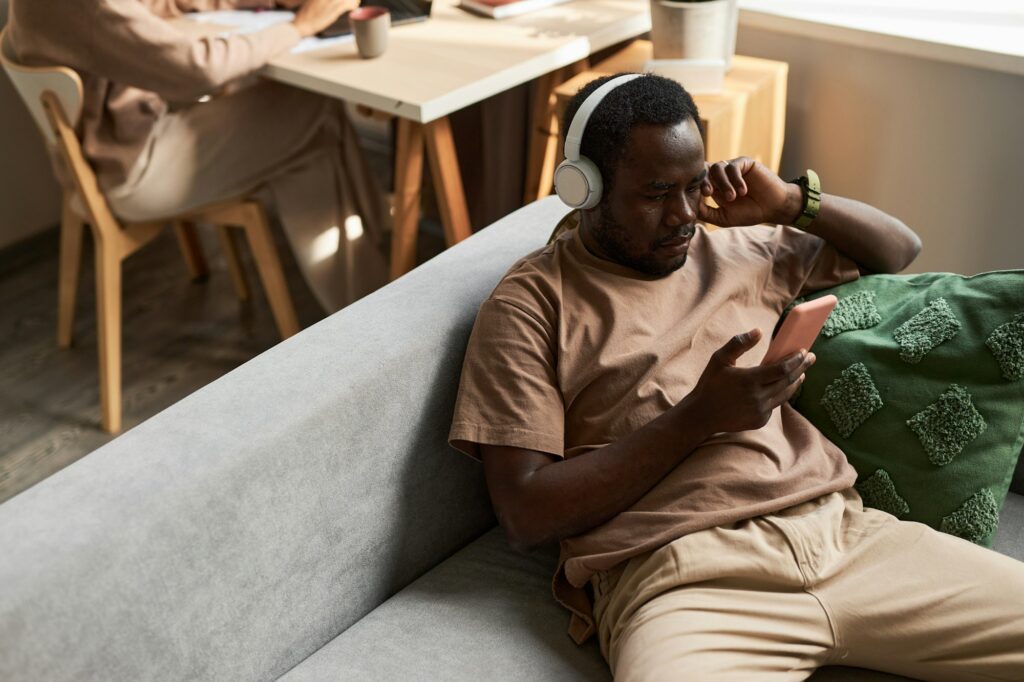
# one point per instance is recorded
(168, 9)
(540, 499)
(748, 193)
(128, 44)
(874, 239)
(312, 16)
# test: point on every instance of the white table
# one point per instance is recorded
(437, 67)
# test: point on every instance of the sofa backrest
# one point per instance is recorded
(238, 531)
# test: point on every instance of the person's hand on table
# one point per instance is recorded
(314, 16)
(748, 193)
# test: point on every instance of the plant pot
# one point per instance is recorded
(682, 29)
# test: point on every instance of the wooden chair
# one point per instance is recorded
(53, 95)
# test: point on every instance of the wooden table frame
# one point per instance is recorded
(435, 68)
(444, 169)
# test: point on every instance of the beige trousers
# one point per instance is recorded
(825, 582)
(289, 148)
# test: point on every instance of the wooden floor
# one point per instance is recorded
(178, 336)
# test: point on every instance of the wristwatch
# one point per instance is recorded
(810, 186)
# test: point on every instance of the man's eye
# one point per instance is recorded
(656, 197)
(691, 190)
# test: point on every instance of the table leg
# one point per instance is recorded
(544, 131)
(408, 179)
(444, 169)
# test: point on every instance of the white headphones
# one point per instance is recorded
(578, 179)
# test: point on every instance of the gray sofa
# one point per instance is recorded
(303, 517)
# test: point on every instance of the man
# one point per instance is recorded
(708, 531)
(158, 151)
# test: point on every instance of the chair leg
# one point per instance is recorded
(230, 248)
(257, 229)
(191, 249)
(108, 325)
(72, 229)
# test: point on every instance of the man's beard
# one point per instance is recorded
(608, 234)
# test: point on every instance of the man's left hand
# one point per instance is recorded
(748, 193)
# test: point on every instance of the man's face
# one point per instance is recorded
(646, 220)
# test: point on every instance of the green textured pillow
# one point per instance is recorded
(920, 380)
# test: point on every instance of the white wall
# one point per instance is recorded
(939, 145)
(29, 197)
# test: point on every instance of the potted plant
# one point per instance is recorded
(694, 29)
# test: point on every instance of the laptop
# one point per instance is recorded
(402, 12)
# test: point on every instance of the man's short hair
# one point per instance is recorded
(649, 99)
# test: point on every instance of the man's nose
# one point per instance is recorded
(678, 211)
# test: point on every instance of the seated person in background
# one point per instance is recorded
(158, 151)
(613, 391)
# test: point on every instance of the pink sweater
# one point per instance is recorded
(133, 62)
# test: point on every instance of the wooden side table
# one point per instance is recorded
(747, 118)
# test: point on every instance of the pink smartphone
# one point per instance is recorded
(800, 329)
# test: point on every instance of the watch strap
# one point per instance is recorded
(810, 185)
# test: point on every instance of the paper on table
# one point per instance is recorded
(242, 21)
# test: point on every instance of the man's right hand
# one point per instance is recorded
(732, 398)
(316, 15)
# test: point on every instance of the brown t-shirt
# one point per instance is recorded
(572, 352)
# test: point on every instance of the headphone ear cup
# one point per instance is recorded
(578, 183)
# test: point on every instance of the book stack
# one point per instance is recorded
(501, 9)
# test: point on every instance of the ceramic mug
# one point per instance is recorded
(370, 26)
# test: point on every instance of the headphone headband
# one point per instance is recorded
(578, 179)
(574, 138)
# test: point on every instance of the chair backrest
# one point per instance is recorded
(32, 82)
(53, 95)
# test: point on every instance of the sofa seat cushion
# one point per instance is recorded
(487, 613)
(1010, 535)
